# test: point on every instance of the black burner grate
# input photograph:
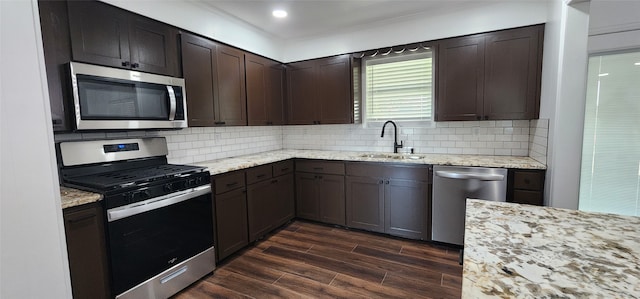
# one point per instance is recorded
(109, 180)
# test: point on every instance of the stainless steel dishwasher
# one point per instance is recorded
(452, 185)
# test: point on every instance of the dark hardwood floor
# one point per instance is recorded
(307, 260)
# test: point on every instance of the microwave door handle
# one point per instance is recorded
(172, 102)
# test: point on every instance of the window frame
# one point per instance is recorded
(391, 57)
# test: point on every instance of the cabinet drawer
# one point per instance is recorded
(283, 167)
(528, 197)
(259, 173)
(406, 172)
(229, 181)
(328, 167)
(528, 180)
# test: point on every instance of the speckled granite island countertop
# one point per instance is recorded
(521, 251)
(242, 162)
(73, 197)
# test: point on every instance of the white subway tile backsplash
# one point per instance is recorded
(191, 145)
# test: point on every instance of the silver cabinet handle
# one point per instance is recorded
(156, 203)
(469, 175)
(172, 102)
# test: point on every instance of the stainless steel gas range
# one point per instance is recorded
(159, 216)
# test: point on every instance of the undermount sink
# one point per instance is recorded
(392, 156)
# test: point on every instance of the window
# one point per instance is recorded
(399, 88)
(610, 175)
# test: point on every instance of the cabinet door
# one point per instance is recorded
(335, 101)
(99, 33)
(265, 102)
(406, 208)
(512, 72)
(87, 252)
(365, 203)
(199, 59)
(257, 72)
(232, 101)
(460, 79)
(56, 43)
(283, 199)
(154, 47)
(330, 193)
(231, 222)
(307, 204)
(302, 93)
(275, 94)
(260, 208)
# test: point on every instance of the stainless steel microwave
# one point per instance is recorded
(107, 98)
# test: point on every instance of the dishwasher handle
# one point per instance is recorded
(469, 176)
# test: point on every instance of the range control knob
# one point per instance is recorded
(191, 183)
(168, 187)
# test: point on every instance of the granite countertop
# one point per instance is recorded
(522, 251)
(73, 197)
(242, 162)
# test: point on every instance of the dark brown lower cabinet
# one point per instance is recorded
(320, 197)
(87, 251)
(388, 199)
(284, 201)
(365, 203)
(526, 186)
(406, 209)
(269, 205)
(231, 222)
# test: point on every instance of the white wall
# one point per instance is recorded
(562, 99)
(614, 26)
(466, 18)
(33, 251)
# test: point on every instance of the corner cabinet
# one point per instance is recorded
(320, 191)
(392, 199)
(270, 198)
(490, 76)
(87, 251)
(214, 81)
(106, 35)
(320, 91)
(265, 91)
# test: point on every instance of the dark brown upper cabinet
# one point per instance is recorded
(106, 35)
(54, 23)
(265, 91)
(490, 76)
(320, 91)
(214, 82)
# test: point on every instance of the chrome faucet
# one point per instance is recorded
(396, 146)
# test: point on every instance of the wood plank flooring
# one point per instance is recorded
(308, 260)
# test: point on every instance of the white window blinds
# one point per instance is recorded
(399, 88)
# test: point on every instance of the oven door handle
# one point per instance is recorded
(156, 203)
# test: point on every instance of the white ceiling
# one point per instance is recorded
(308, 18)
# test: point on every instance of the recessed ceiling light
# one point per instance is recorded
(637, 63)
(279, 13)
(603, 74)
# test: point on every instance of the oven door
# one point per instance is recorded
(109, 98)
(147, 238)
